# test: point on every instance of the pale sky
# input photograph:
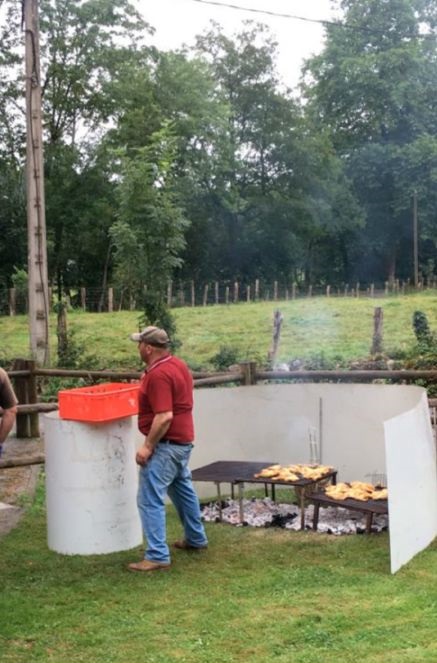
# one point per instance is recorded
(178, 21)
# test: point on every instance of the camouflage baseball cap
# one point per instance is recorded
(152, 336)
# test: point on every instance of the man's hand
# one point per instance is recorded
(143, 454)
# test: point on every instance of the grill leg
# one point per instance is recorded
(240, 501)
(302, 508)
(369, 519)
(219, 499)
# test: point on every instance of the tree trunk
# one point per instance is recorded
(391, 263)
(105, 279)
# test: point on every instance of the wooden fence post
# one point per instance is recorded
(386, 288)
(346, 288)
(277, 324)
(33, 398)
(310, 291)
(256, 289)
(357, 291)
(21, 393)
(236, 292)
(193, 294)
(27, 425)
(248, 294)
(61, 330)
(328, 290)
(216, 292)
(275, 291)
(293, 291)
(111, 300)
(83, 298)
(181, 295)
(372, 289)
(12, 301)
(205, 295)
(248, 370)
(377, 331)
(227, 295)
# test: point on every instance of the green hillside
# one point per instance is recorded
(319, 330)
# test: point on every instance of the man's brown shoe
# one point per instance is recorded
(184, 545)
(148, 565)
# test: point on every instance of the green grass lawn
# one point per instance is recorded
(332, 329)
(258, 595)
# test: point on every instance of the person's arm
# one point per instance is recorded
(160, 425)
(7, 422)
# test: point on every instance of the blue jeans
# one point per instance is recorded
(167, 472)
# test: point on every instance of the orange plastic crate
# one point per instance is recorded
(101, 402)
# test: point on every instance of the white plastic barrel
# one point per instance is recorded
(91, 486)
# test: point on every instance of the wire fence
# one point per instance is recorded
(191, 293)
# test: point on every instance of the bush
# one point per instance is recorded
(421, 329)
(225, 357)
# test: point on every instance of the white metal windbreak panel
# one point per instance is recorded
(366, 431)
(91, 486)
(412, 483)
(273, 422)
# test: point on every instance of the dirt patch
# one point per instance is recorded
(17, 483)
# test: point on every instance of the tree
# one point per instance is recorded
(273, 188)
(86, 47)
(148, 235)
(373, 87)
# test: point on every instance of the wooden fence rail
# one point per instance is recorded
(25, 375)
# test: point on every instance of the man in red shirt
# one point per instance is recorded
(166, 420)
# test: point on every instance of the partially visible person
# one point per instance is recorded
(166, 420)
(8, 403)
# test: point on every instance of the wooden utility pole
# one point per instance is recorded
(36, 223)
(415, 241)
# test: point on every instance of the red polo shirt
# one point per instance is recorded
(167, 386)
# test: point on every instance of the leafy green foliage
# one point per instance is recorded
(421, 328)
(20, 280)
(225, 357)
(149, 234)
(200, 165)
(157, 313)
(371, 89)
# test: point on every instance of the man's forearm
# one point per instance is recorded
(160, 425)
(7, 422)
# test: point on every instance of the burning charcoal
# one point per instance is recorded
(266, 513)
